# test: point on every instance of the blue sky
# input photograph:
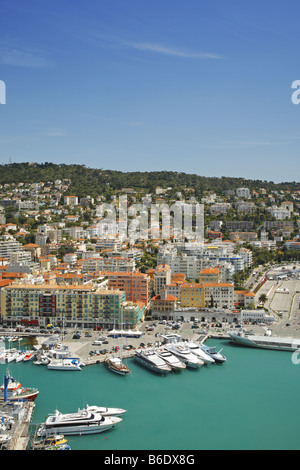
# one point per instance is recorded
(200, 86)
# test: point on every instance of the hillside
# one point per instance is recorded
(92, 181)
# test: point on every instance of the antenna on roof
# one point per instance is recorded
(10, 161)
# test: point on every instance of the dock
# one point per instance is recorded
(20, 428)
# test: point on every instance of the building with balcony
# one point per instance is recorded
(75, 306)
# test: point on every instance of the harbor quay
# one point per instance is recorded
(21, 415)
(153, 334)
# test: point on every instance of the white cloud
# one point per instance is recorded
(171, 51)
(55, 133)
(15, 55)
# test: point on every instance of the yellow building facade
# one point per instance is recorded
(192, 295)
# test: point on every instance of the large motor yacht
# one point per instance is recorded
(195, 349)
(185, 355)
(64, 364)
(151, 360)
(105, 411)
(80, 422)
(170, 359)
(212, 351)
(266, 342)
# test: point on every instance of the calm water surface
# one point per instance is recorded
(250, 402)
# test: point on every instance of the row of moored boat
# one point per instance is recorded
(178, 356)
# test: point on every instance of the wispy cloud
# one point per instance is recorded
(14, 54)
(54, 132)
(242, 144)
(173, 51)
(119, 43)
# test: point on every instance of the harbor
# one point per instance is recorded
(205, 400)
(95, 347)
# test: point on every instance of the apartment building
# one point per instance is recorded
(214, 235)
(237, 225)
(187, 264)
(79, 306)
(247, 257)
(108, 264)
(243, 298)
(245, 207)
(221, 295)
(245, 236)
(136, 285)
(161, 278)
(220, 208)
(7, 247)
(71, 200)
(192, 295)
(292, 245)
(243, 192)
(209, 275)
(280, 213)
(70, 278)
(162, 305)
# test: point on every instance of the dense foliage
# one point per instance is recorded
(94, 182)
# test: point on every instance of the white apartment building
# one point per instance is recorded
(221, 293)
(220, 208)
(71, 200)
(280, 213)
(259, 316)
(7, 247)
(243, 192)
(247, 257)
(174, 289)
(185, 264)
(21, 257)
(108, 264)
(161, 278)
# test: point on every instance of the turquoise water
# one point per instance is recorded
(250, 402)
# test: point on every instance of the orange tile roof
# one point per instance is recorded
(210, 271)
(217, 284)
(169, 298)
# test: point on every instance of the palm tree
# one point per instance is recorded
(263, 298)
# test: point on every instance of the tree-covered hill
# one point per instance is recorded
(92, 181)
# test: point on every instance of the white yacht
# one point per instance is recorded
(212, 351)
(11, 356)
(105, 411)
(64, 364)
(80, 422)
(170, 359)
(265, 342)
(184, 354)
(21, 355)
(151, 360)
(5, 438)
(195, 349)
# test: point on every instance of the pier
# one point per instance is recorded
(20, 429)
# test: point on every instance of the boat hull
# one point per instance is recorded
(63, 367)
(78, 431)
(186, 361)
(264, 344)
(117, 369)
(150, 366)
(31, 396)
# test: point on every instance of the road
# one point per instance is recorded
(283, 302)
